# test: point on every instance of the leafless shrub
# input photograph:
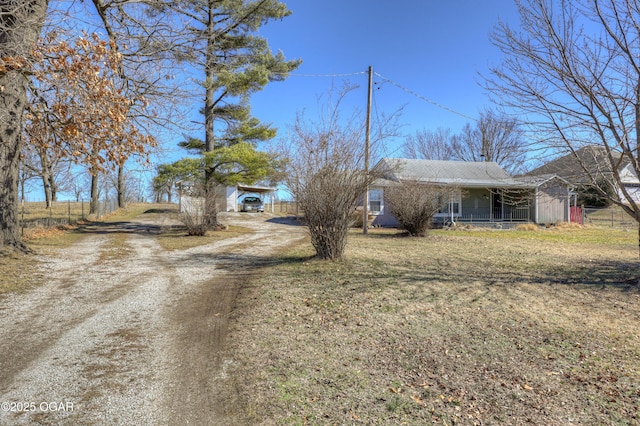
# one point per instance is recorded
(328, 200)
(326, 174)
(416, 203)
(199, 210)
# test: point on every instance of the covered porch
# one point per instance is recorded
(495, 205)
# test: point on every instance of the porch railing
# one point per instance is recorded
(508, 214)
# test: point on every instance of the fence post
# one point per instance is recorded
(69, 210)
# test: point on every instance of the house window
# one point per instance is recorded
(375, 201)
(451, 206)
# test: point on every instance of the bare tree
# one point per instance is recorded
(53, 170)
(495, 138)
(429, 145)
(415, 204)
(128, 25)
(574, 69)
(200, 204)
(325, 174)
(123, 180)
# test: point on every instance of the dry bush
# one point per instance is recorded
(567, 225)
(415, 204)
(527, 227)
(357, 215)
(325, 172)
(200, 210)
(328, 200)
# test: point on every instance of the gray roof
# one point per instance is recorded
(571, 166)
(461, 173)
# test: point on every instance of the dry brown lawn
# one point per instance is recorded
(462, 327)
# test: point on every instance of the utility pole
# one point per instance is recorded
(367, 143)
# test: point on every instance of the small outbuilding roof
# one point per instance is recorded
(256, 189)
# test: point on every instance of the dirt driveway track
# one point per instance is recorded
(133, 339)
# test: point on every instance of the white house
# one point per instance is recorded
(484, 192)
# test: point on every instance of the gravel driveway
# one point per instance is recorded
(133, 339)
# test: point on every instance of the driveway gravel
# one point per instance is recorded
(130, 337)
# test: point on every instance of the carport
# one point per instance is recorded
(266, 193)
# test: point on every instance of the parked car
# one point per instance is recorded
(252, 204)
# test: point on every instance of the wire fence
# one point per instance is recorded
(36, 214)
(289, 207)
(609, 217)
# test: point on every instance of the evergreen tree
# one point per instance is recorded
(220, 41)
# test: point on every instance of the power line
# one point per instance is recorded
(387, 80)
(424, 98)
(328, 75)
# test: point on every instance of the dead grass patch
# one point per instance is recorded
(568, 225)
(466, 328)
(177, 238)
(116, 248)
(18, 272)
(527, 227)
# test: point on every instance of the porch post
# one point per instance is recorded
(491, 195)
(535, 200)
(568, 205)
(451, 208)
(490, 205)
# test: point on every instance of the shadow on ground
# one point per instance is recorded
(129, 227)
(288, 220)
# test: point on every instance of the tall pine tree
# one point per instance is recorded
(220, 39)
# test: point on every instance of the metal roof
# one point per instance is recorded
(461, 173)
(255, 189)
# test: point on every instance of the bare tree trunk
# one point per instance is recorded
(94, 197)
(20, 25)
(54, 188)
(22, 185)
(120, 186)
(46, 184)
(12, 103)
(637, 123)
(636, 210)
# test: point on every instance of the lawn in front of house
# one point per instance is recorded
(471, 327)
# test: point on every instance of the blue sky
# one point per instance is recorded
(433, 48)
